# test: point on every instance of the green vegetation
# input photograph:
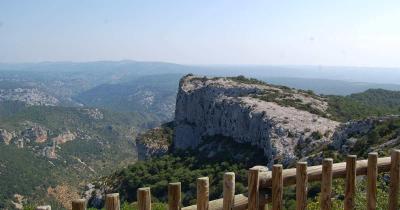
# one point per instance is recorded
(286, 99)
(158, 172)
(360, 198)
(57, 118)
(103, 144)
(23, 172)
(316, 135)
(154, 95)
(373, 102)
(186, 167)
(386, 131)
(160, 136)
(111, 146)
(134, 206)
(345, 109)
(386, 99)
(245, 80)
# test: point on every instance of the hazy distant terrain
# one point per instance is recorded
(65, 116)
(66, 79)
(328, 86)
(153, 94)
(150, 87)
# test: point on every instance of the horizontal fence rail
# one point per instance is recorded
(314, 173)
(266, 187)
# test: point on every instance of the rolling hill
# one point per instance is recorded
(43, 148)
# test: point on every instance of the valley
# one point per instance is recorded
(70, 130)
(199, 105)
(65, 145)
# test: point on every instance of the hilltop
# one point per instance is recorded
(273, 118)
(220, 124)
(233, 123)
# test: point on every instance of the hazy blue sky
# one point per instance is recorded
(315, 32)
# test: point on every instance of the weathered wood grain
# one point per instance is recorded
(144, 198)
(203, 193)
(229, 191)
(372, 175)
(79, 204)
(350, 189)
(301, 186)
(277, 187)
(174, 196)
(394, 180)
(326, 184)
(315, 172)
(112, 202)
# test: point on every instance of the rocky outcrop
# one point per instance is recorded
(243, 112)
(65, 137)
(6, 136)
(64, 194)
(30, 96)
(18, 201)
(94, 196)
(95, 113)
(346, 136)
(36, 133)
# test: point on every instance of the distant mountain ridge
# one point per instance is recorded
(101, 106)
(70, 82)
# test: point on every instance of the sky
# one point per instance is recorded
(234, 32)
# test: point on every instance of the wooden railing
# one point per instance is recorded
(266, 187)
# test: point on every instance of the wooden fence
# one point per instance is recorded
(266, 187)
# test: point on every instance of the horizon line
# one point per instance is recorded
(197, 65)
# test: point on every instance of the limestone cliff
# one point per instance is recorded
(273, 118)
(351, 133)
(6, 136)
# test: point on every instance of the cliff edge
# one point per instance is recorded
(277, 119)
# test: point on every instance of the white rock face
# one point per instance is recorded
(6, 136)
(220, 106)
(65, 137)
(30, 96)
(344, 140)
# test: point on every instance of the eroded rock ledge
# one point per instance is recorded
(275, 119)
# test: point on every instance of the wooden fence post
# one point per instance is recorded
(372, 174)
(253, 188)
(228, 191)
(174, 196)
(112, 201)
(394, 180)
(277, 187)
(203, 193)
(43, 208)
(350, 190)
(144, 198)
(301, 186)
(326, 184)
(79, 204)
